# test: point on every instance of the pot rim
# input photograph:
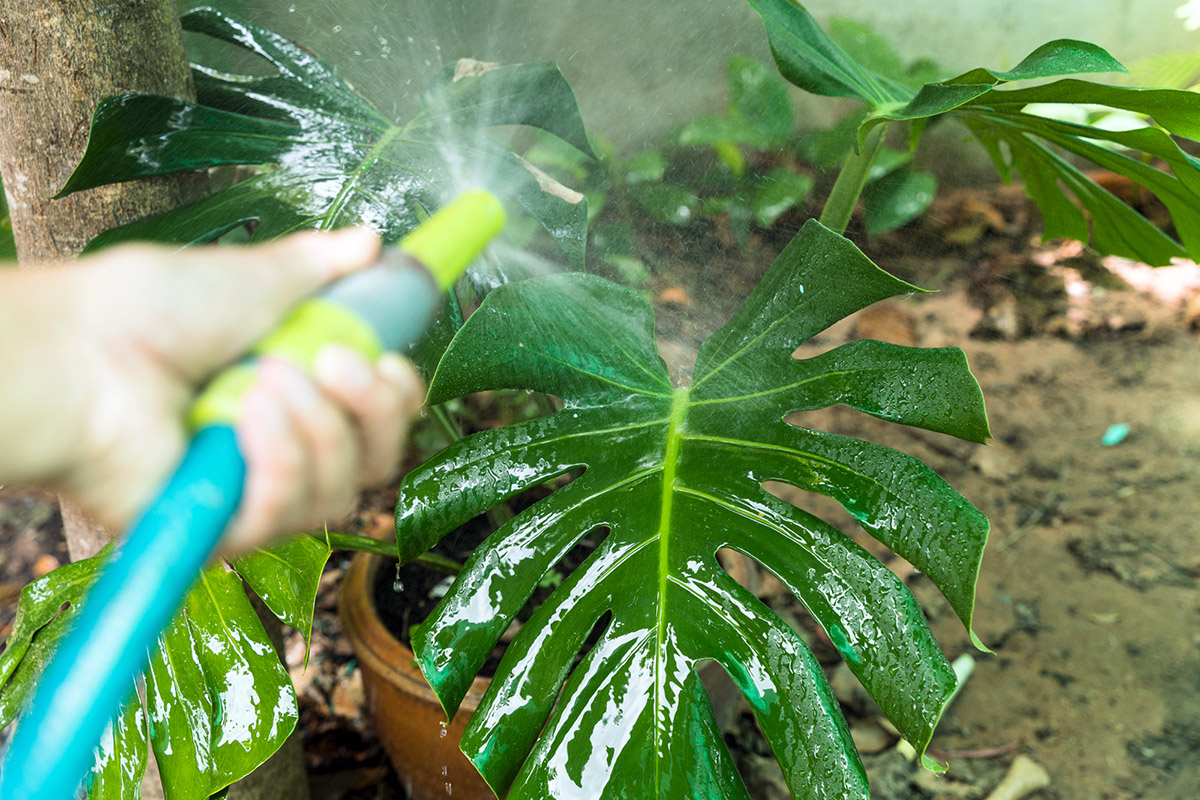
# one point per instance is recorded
(375, 646)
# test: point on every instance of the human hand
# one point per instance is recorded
(147, 327)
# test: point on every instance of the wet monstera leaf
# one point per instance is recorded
(44, 614)
(327, 157)
(220, 702)
(1017, 128)
(673, 475)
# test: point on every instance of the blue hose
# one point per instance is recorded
(131, 602)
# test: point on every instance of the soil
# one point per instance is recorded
(407, 595)
(1088, 595)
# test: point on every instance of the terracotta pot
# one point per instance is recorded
(407, 714)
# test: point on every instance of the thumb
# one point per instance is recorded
(223, 300)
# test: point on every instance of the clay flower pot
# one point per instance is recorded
(406, 712)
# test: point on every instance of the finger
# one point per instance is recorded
(218, 301)
(274, 470)
(330, 445)
(381, 402)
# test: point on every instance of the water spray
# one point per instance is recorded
(385, 307)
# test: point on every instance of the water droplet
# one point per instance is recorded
(398, 584)
(337, 28)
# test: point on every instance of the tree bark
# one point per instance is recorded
(58, 59)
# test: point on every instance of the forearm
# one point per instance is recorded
(42, 385)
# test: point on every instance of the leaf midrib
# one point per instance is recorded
(339, 202)
(679, 408)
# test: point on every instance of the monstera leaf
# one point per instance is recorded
(1072, 204)
(219, 701)
(673, 475)
(328, 158)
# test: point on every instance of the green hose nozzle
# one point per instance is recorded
(448, 241)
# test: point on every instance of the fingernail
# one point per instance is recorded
(342, 367)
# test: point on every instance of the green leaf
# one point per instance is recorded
(1032, 145)
(758, 96)
(897, 197)
(220, 701)
(866, 47)
(553, 154)
(285, 577)
(672, 474)
(827, 148)
(711, 131)
(122, 756)
(45, 613)
(1072, 204)
(331, 158)
(810, 59)
(41, 604)
(780, 191)
(646, 167)
(1051, 60)
(669, 203)
(888, 161)
(1178, 69)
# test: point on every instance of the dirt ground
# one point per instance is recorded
(1088, 591)
(1088, 594)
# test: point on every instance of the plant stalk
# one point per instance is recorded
(365, 544)
(851, 180)
(446, 423)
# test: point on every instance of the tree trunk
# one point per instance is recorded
(58, 59)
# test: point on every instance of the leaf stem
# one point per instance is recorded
(446, 423)
(851, 180)
(365, 544)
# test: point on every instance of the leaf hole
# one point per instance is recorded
(589, 645)
(579, 554)
(747, 745)
(823, 508)
(740, 567)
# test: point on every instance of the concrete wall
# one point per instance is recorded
(641, 67)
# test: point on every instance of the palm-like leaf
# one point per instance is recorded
(1033, 145)
(675, 474)
(219, 700)
(332, 158)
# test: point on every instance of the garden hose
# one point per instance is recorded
(386, 307)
